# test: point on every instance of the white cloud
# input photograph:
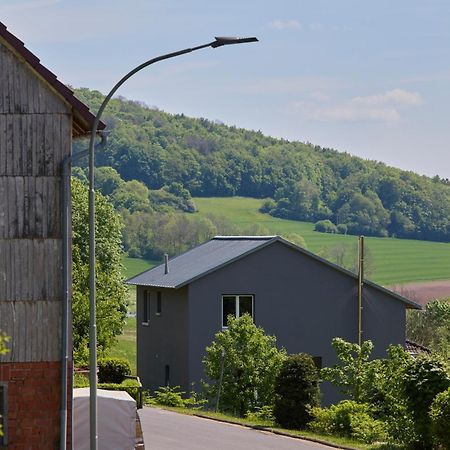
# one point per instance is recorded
(398, 97)
(385, 107)
(351, 113)
(285, 25)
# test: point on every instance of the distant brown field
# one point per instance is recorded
(423, 292)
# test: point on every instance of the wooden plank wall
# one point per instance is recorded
(35, 136)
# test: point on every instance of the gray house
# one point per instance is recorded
(302, 299)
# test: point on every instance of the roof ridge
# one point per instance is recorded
(240, 238)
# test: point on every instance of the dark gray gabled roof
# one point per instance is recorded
(223, 250)
(201, 260)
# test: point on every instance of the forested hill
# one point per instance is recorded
(302, 181)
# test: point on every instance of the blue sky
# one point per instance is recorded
(370, 78)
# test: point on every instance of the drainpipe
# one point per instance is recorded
(66, 172)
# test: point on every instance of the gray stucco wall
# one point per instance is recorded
(301, 301)
(164, 341)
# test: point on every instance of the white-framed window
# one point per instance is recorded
(146, 308)
(236, 305)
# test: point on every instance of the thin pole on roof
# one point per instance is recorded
(218, 42)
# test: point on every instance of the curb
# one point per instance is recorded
(272, 430)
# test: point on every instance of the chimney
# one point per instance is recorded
(166, 263)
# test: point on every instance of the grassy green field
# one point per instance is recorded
(133, 266)
(395, 261)
(125, 347)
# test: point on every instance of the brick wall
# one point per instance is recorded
(34, 392)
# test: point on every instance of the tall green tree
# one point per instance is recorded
(110, 290)
(251, 363)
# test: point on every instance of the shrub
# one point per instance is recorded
(113, 370)
(348, 419)
(296, 391)
(424, 378)
(262, 414)
(268, 206)
(367, 429)
(131, 386)
(80, 380)
(169, 396)
(325, 226)
(440, 419)
(342, 228)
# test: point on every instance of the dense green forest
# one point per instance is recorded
(175, 157)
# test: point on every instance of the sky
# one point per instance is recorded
(368, 78)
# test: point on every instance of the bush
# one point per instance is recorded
(169, 396)
(367, 429)
(113, 370)
(80, 380)
(325, 226)
(424, 378)
(268, 206)
(296, 391)
(262, 414)
(440, 419)
(342, 228)
(348, 419)
(131, 386)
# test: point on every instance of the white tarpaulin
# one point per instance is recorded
(116, 411)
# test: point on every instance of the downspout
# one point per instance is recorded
(66, 172)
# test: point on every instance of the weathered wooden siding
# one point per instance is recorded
(35, 136)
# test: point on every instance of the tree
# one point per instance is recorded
(132, 195)
(296, 391)
(424, 378)
(111, 292)
(250, 365)
(431, 327)
(350, 373)
(107, 180)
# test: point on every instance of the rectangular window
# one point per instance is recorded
(167, 375)
(146, 304)
(158, 303)
(3, 410)
(236, 305)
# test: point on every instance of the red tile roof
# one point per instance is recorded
(83, 119)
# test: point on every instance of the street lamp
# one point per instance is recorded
(218, 42)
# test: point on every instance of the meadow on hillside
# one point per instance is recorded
(395, 261)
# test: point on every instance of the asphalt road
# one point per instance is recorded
(166, 430)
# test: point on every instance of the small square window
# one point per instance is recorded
(236, 305)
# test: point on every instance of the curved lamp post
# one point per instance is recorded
(218, 42)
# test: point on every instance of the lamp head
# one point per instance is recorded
(225, 40)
